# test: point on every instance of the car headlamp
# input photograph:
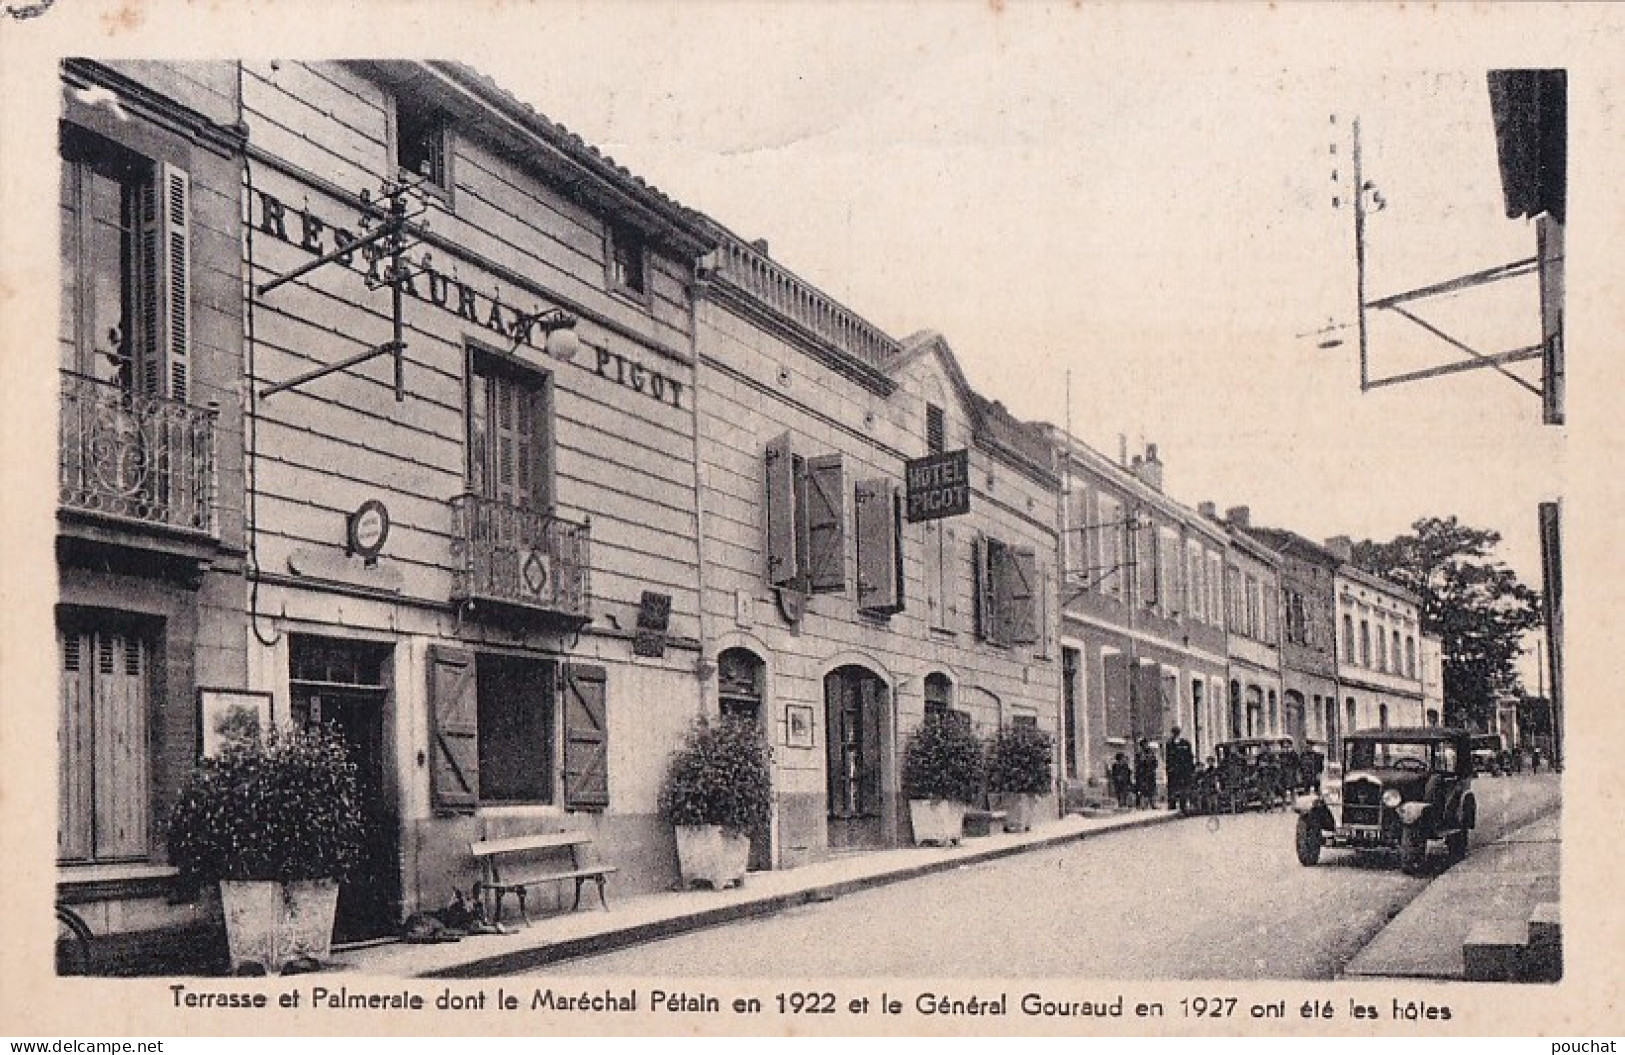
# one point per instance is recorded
(1412, 812)
(1391, 798)
(1333, 795)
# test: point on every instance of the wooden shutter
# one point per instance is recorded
(586, 737)
(948, 567)
(121, 745)
(75, 761)
(783, 568)
(1147, 719)
(826, 524)
(869, 690)
(1020, 594)
(1115, 670)
(163, 230)
(980, 587)
(1046, 624)
(454, 765)
(880, 578)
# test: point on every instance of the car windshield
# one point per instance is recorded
(1374, 754)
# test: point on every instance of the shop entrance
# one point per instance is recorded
(343, 684)
(856, 741)
(741, 677)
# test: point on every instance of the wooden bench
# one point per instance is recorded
(513, 864)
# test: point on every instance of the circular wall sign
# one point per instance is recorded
(369, 529)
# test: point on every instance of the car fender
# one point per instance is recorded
(1469, 811)
(1320, 815)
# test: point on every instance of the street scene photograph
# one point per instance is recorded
(799, 497)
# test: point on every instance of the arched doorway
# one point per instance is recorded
(1294, 714)
(741, 688)
(857, 742)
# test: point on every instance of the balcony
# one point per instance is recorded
(136, 460)
(808, 307)
(520, 561)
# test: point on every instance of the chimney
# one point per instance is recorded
(1150, 471)
(1239, 516)
(1208, 509)
(760, 245)
(1342, 547)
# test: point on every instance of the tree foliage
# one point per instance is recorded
(1472, 601)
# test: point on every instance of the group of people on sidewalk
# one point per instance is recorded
(1276, 774)
(1139, 781)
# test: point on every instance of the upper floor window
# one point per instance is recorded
(510, 434)
(125, 252)
(936, 429)
(1348, 638)
(423, 143)
(1410, 656)
(1365, 644)
(628, 260)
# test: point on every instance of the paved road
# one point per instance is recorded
(1192, 899)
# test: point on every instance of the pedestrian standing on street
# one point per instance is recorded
(1311, 764)
(1145, 775)
(1287, 781)
(1122, 779)
(1181, 769)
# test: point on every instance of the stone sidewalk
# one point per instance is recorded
(1503, 881)
(647, 917)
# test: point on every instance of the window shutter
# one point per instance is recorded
(948, 569)
(783, 568)
(1115, 670)
(121, 746)
(75, 758)
(981, 595)
(454, 766)
(1021, 592)
(164, 344)
(1046, 642)
(935, 609)
(586, 737)
(879, 547)
(826, 524)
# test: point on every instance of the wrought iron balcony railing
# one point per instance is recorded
(136, 458)
(520, 558)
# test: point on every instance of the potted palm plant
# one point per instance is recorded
(276, 823)
(718, 789)
(942, 774)
(1019, 773)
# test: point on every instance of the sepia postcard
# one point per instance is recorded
(772, 518)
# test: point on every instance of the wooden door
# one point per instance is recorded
(853, 711)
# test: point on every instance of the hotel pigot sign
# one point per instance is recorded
(938, 486)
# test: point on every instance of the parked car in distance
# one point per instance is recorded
(1488, 756)
(1400, 790)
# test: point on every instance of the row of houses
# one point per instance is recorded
(388, 402)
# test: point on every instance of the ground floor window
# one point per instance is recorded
(103, 762)
(517, 729)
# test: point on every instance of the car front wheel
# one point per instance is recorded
(1413, 850)
(1308, 841)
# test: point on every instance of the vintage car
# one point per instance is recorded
(1400, 790)
(1488, 757)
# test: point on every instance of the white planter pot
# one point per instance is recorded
(270, 924)
(712, 855)
(1020, 810)
(937, 821)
